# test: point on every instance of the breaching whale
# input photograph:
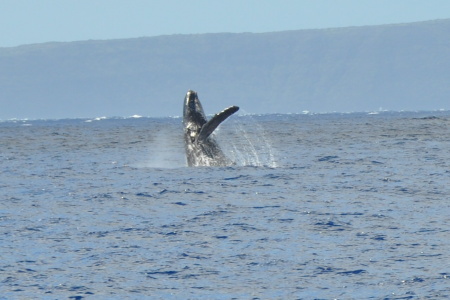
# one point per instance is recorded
(201, 148)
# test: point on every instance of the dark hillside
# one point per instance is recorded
(396, 67)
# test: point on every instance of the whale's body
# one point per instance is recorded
(201, 148)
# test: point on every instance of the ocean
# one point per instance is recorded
(316, 206)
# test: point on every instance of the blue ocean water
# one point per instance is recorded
(332, 206)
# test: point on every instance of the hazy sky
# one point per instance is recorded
(38, 21)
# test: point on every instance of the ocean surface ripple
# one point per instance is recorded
(333, 206)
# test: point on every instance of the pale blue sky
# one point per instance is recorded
(39, 21)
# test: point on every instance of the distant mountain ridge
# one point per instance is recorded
(395, 67)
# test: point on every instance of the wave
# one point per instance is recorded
(240, 115)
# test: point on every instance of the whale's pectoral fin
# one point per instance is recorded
(215, 121)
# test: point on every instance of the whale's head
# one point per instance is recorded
(193, 110)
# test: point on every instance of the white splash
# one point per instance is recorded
(166, 151)
(247, 144)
